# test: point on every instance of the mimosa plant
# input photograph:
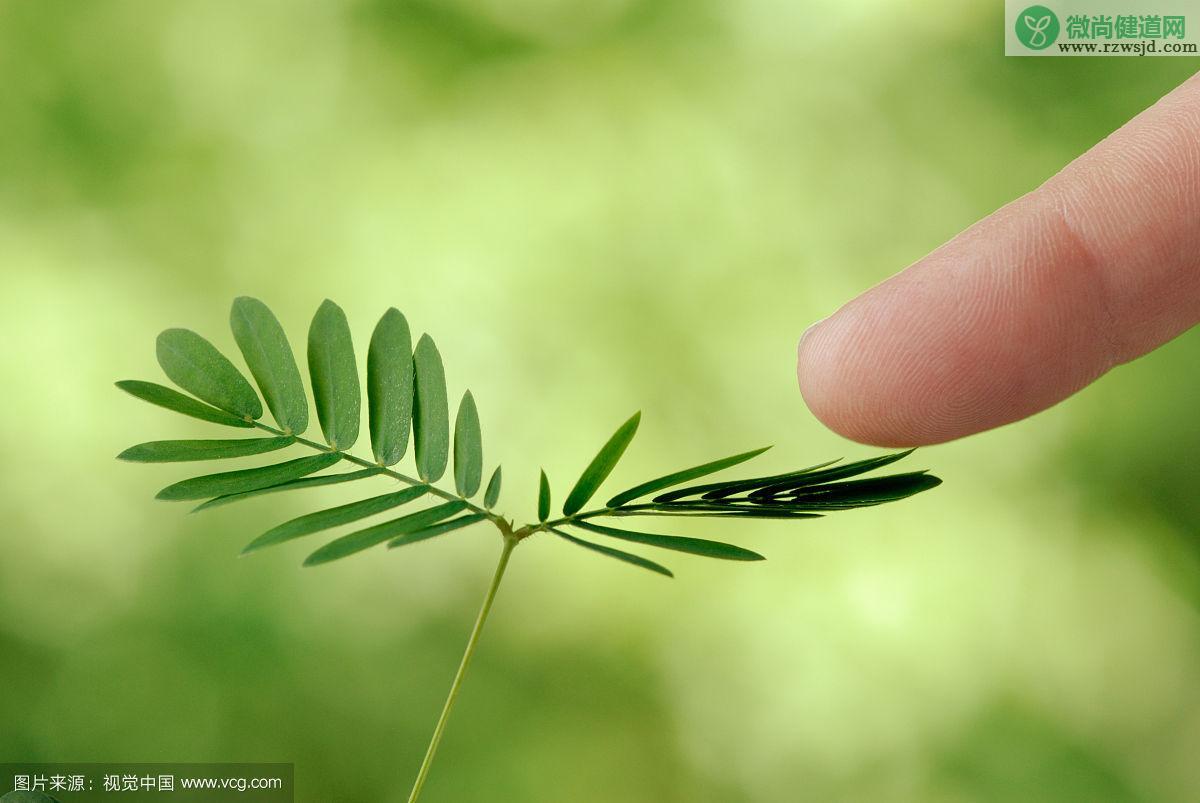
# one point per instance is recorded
(406, 392)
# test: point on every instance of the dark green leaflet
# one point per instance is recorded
(543, 497)
(862, 492)
(492, 495)
(335, 516)
(180, 451)
(174, 400)
(437, 529)
(788, 499)
(601, 466)
(269, 355)
(195, 365)
(334, 375)
(468, 448)
(292, 485)
(682, 476)
(828, 475)
(390, 387)
(364, 539)
(820, 503)
(627, 557)
(694, 546)
(250, 479)
(718, 490)
(431, 416)
(793, 506)
(718, 512)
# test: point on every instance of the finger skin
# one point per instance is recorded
(1094, 268)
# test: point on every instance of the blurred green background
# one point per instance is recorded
(595, 207)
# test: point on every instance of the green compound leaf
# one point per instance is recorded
(685, 475)
(335, 516)
(364, 539)
(170, 399)
(543, 497)
(431, 416)
(390, 387)
(437, 529)
(293, 485)
(195, 365)
(334, 375)
(406, 392)
(468, 448)
(492, 495)
(693, 546)
(267, 352)
(601, 466)
(250, 479)
(627, 557)
(180, 451)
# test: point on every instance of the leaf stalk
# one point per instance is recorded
(495, 518)
(509, 543)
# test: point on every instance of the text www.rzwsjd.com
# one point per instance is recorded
(1147, 47)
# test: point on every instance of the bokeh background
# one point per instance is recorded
(595, 207)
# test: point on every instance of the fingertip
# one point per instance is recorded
(812, 375)
(994, 326)
(830, 374)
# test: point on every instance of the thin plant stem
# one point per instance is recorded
(433, 489)
(472, 642)
(503, 525)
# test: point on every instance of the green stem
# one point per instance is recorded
(384, 470)
(472, 642)
(496, 519)
(546, 526)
